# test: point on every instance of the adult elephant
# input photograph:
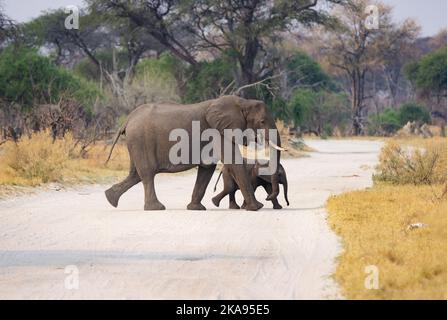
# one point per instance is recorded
(148, 129)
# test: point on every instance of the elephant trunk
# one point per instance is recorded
(276, 147)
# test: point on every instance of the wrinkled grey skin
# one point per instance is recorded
(230, 186)
(147, 131)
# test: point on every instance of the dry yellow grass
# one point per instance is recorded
(376, 225)
(37, 160)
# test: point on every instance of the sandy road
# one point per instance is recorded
(218, 254)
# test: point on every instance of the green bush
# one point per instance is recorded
(386, 122)
(301, 105)
(391, 120)
(410, 112)
(28, 78)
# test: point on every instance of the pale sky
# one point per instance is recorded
(431, 14)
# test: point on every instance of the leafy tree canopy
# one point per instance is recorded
(430, 73)
(28, 78)
(303, 71)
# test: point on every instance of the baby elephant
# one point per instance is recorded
(230, 186)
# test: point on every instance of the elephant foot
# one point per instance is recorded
(111, 197)
(196, 207)
(277, 207)
(154, 206)
(272, 196)
(254, 206)
(234, 206)
(215, 201)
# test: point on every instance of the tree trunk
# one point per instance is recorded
(247, 63)
(358, 97)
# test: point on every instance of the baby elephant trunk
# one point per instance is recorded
(276, 149)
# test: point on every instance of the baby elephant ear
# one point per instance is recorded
(225, 113)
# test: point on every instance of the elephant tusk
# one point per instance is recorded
(253, 153)
(275, 146)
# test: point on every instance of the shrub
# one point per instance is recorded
(410, 112)
(400, 164)
(391, 120)
(384, 123)
(154, 81)
(301, 105)
(37, 158)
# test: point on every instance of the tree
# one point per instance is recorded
(8, 29)
(430, 74)
(28, 79)
(210, 80)
(318, 111)
(395, 48)
(246, 28)
(304, 72)
(351, 48)
(159, 18)
(101, 38)
(242, 28)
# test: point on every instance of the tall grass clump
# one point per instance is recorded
(36, 158)
(421, 164)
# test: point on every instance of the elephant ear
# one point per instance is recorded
(225, 113)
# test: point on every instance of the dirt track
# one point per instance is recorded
(176, 254)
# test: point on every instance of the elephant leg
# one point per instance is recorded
(233, 203)
(229, 187)
(217, 199)
(242, 179)
(244, 204)
(268, 189)
(204, 175)
(274, 188)
(115, 192)
(150, 198)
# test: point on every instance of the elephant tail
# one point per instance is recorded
(285, 194)
(120, 132)
(286, 186)
(218, 178)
